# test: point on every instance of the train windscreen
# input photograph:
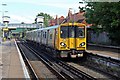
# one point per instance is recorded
(64, 32)
(72, 32)
(80, 32)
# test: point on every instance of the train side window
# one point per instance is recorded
(41, 34)
(45, 34)
(50, 36)
(38, 34)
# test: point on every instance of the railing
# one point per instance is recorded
(21, 25)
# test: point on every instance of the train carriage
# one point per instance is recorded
(67, 38)
(73, 38)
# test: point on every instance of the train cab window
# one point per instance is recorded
(64, 32)
(71, 32)
(80, 32)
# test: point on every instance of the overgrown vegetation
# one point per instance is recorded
(105, 15)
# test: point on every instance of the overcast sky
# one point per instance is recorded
(26, 10)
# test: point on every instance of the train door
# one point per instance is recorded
(38, 37)
(47, 37)
(71, 35)
(54, 38)
(57, 38)
(41, 36)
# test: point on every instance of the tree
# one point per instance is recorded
(22, 23)
(107, 15)
(46, 16)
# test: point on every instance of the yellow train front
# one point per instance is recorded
(72, 39)
(68, 39)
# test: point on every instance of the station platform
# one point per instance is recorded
(113, 55)
(107, 51)
(11, 65)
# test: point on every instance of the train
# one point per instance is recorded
(67, 39)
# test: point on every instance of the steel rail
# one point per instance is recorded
(60, 74)
(80, 75)
(32, 72)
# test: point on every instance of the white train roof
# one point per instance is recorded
(46, 28)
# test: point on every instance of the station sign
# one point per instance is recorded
(6, 19)
(5, 29)
(40, 19)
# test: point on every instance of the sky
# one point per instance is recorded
(26, 10)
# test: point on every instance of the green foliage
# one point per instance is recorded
(22, 23)
(106, 14)
(46, 16)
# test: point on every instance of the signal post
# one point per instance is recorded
(6, 33)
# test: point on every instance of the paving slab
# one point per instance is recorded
(0, 58)
(10, 62)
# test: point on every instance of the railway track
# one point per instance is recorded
(104, 65)
(105, 59)
(28, 64)
(107, 65)
(59, 68)
(36, 65)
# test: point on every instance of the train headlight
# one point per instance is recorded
(63, 44)
(82, 44)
